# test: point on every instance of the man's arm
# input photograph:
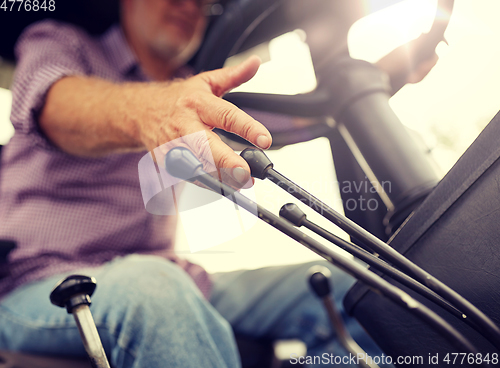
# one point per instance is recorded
(87, 116)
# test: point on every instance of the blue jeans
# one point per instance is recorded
(150, 314)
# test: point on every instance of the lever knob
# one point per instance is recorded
(319, 281)
(293, 213)
(258, 161)
(73, 291)
(182, 163)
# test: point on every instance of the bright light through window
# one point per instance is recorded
(6, 129)
(290, 70)
(375, 35)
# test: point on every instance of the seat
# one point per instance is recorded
(453, 235)
(6, 246)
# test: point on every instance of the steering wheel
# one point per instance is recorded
(247, 23)
(355, 93)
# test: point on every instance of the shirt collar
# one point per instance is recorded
(121, 54)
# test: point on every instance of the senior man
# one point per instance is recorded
(85, 111)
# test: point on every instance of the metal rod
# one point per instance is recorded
(348, 265)
(387, 269)
(345, 338)
(489, 329)
(90, 337)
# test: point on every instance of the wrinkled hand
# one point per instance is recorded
(175, 110)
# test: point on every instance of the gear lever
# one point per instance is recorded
(320, 284)
(73, 293)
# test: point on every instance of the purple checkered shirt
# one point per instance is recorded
(67, 212)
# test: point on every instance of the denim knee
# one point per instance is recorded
(152, 302)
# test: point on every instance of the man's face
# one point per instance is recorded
(172, 29)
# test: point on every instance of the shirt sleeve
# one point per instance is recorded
(46, 52)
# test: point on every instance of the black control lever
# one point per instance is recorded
(173, 161)
(6, 246)
(320, 284)
(296, 216)
(73, 293)
(487, 327)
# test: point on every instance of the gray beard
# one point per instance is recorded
(178, 55)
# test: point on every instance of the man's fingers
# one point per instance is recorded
(199, 110)
(222, 114)
(223, 80)
(233, 169)
(215, 154)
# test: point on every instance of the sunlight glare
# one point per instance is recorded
(6, 128)
(290, 70)
(375, 35)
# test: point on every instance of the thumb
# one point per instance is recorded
(225, 79)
